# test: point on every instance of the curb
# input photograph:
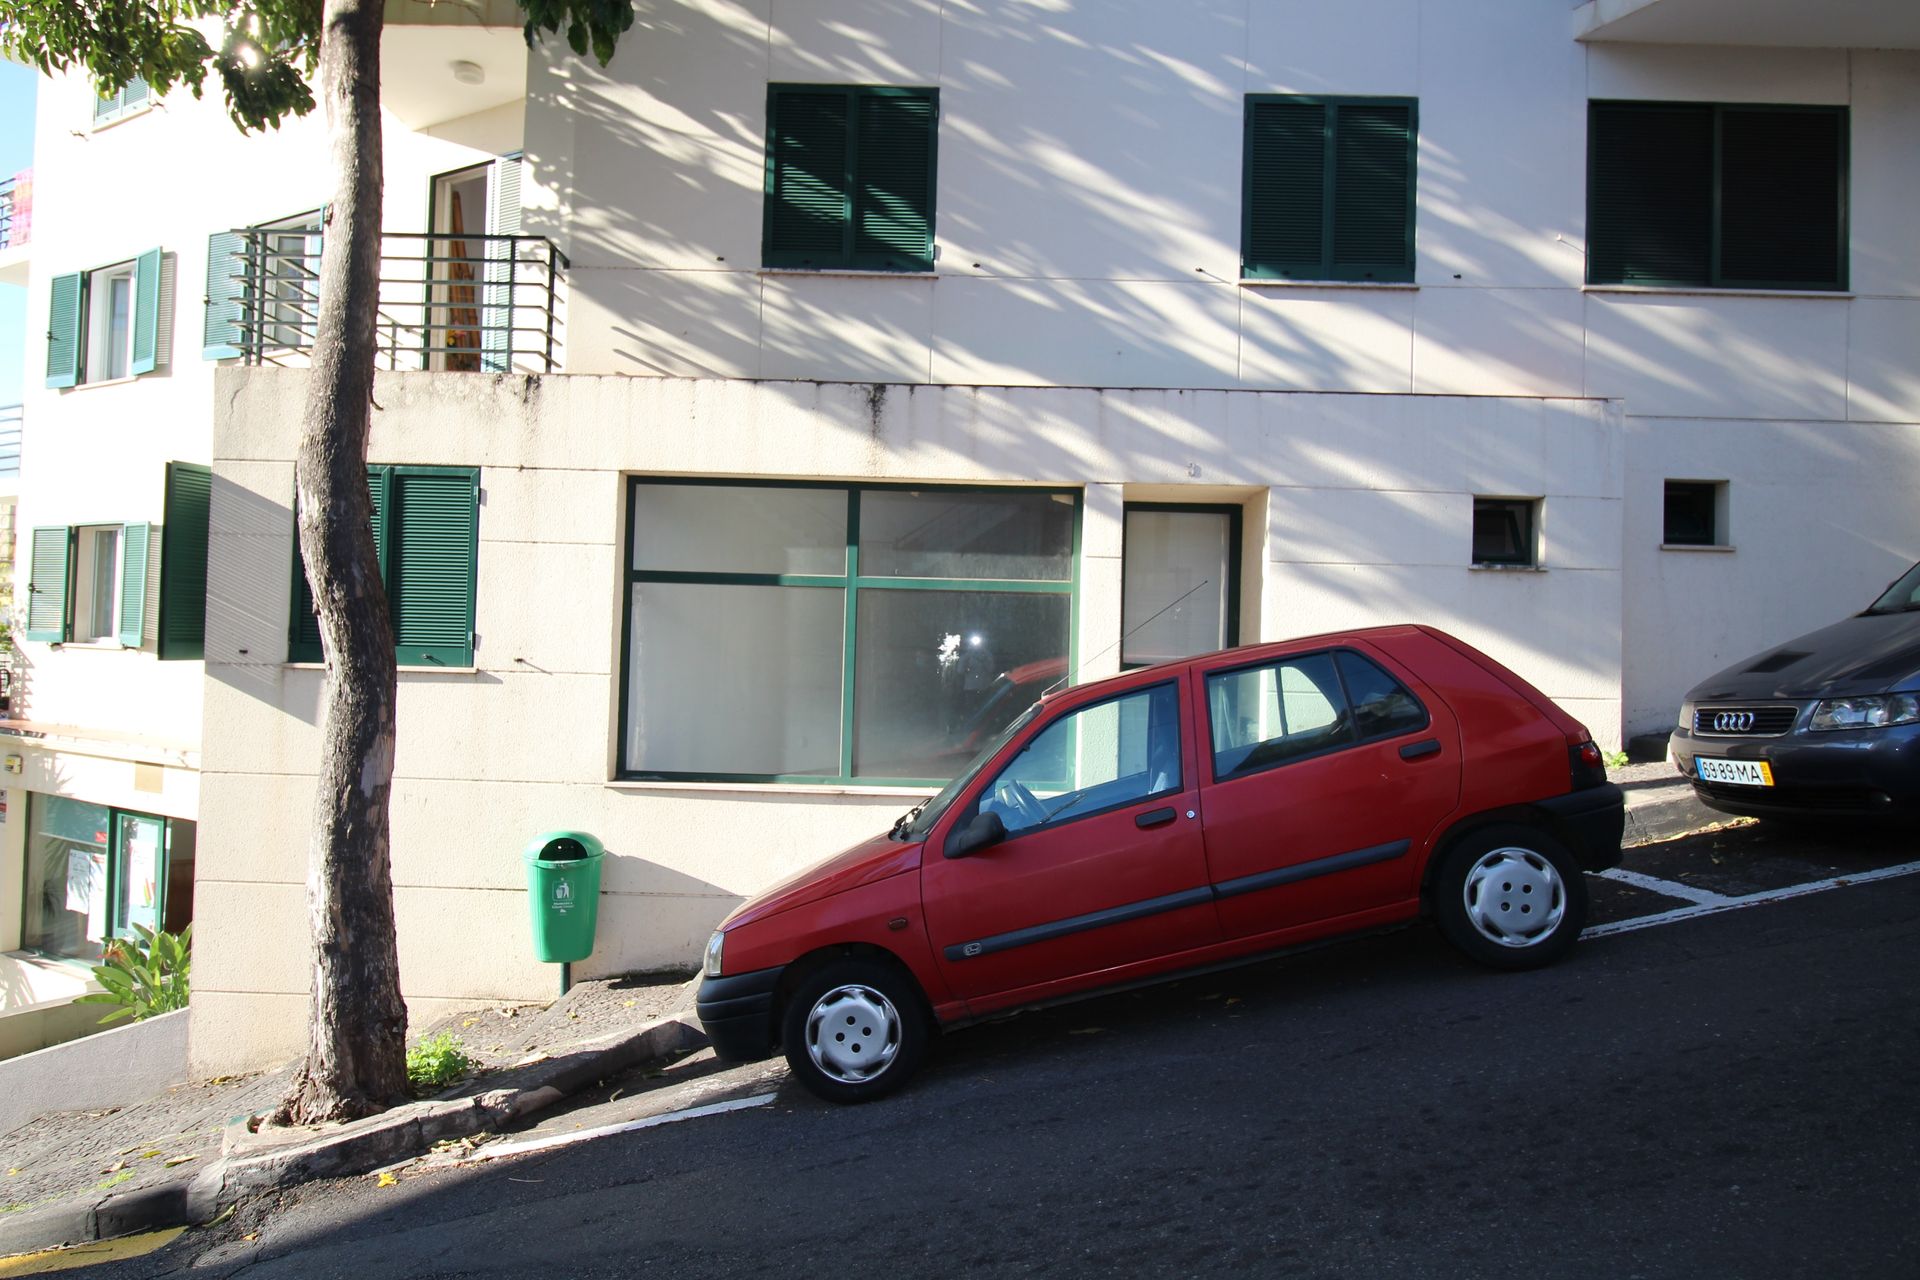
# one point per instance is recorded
(1671, 812)
(252, 1163)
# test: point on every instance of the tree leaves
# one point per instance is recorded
(143, 975)
(591, 24)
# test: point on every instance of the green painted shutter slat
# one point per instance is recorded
(226, 285)
(807, 181)
(303, 644)
(1649, 193)
(1284, 233)
(430, 583)
(893, 184)
(133, 583)
(183, 562)
(1780, 170)
(63, 332)
(1373, 192)
(47, 583)
(146, 313)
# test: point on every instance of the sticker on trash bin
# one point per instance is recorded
(562, 896)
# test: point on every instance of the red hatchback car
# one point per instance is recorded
(1176, 818)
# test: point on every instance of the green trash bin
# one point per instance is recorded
(563, 888)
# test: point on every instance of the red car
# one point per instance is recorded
(1176, 818)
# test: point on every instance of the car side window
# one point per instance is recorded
(1279, 711)
(1092, 759)
(1382, 706)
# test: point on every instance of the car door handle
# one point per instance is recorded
(1154, 818)
(1420, 750)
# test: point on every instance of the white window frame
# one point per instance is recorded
(91, 578)
(97, 363)
(112, 110)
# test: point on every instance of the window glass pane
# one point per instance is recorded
(100, 570)
(119, 322)
(735, 680)
(906, 534)
(66, 908)
(1689, 516)
(1381, 704)
(739, 529)
(1263, 716)
(142, 877)
(1502, 531)
(1174, 602)
(1108, 754)
(940, 672)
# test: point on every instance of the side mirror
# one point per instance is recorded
(984, 830)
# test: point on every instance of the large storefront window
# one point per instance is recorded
(827, 633)
(95, 872)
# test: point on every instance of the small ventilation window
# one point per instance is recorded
(1695, 514)
(1506, 532)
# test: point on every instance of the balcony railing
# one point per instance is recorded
(16, 209)
(12, 417)
(453, 302)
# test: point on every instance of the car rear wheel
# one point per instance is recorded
(1511, 897)
(854, 1030)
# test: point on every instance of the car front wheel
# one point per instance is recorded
(854, 1030)
(1511, 897)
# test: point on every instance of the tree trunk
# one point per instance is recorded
(356, 1047)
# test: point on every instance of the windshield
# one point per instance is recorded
(1902, 596)
(930, 811)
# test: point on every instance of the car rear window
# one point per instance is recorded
(1303, 705)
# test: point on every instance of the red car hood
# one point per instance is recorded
(866, 862)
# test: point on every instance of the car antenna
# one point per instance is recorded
(1061, 682)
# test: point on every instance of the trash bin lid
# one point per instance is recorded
(562, 846)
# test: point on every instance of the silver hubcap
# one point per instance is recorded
(1515, 897)
(853, 1033)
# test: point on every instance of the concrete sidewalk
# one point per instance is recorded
(188, 1155)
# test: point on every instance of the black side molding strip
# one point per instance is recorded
(1177, 901)
(1080, 924)
(1308, 870)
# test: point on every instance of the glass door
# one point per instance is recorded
(140, 864)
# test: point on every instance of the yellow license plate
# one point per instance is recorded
(1739, 773)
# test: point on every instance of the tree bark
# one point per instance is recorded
(357, 1024)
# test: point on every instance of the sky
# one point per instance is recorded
(16, 153)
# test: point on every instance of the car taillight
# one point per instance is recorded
(1587, 766)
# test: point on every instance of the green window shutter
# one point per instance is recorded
(894, 181)
(183, 562)
(47, 583)
(807, 209)
(303, 640)
(146, 312)
(1373, 176)
(1782, 211)
(1283, 231)
(431, 562)
(226, 287)
(133, 583)
(64, 332)
(1650, 193)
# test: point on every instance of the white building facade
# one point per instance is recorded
(893, 360)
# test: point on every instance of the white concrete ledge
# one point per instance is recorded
(112, 1069)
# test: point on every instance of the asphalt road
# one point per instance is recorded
(1727, 1095)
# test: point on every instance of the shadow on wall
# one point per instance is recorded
(1137, 272)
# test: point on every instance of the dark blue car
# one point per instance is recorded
(1824, 725)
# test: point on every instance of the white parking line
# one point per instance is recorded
(1749, 900)
(1666, 888)
(564, 1139)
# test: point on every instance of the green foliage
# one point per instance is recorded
(1616, 759)
(435, 1063)
(267, 53)
(595, 24)
(144, 975)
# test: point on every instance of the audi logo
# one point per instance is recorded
(1733, 722)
